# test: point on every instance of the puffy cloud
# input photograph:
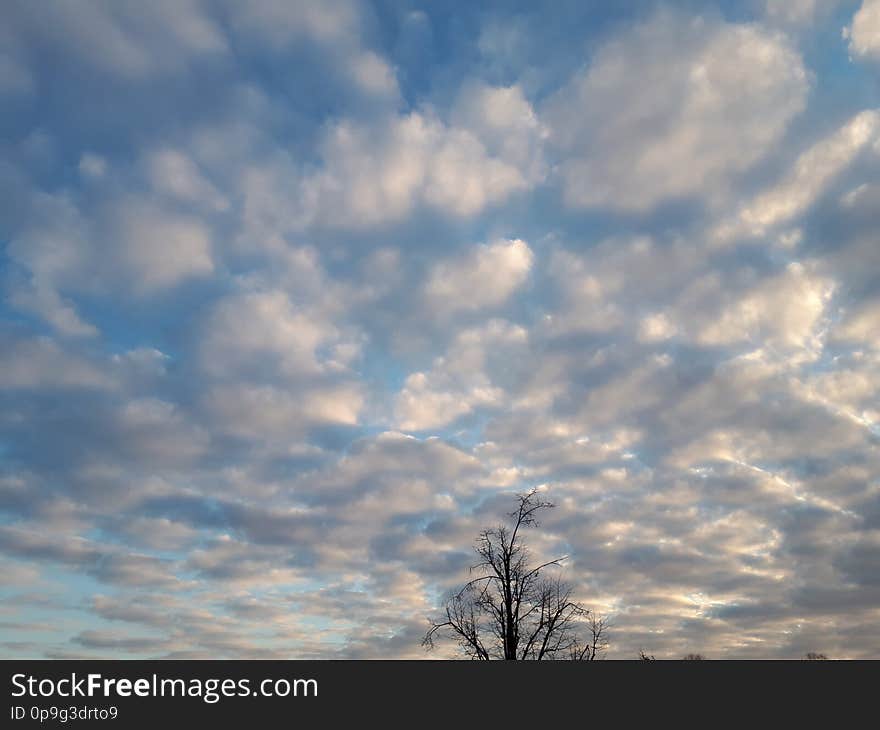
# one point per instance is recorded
(157, 249)
(159, 431)
(104, 561)
(51, 251)
(486, 277)
(861, 326)
(656, 327)
(173, 173)
(847, 391)
(335, 27)
(797, 13)
(587, 301)
(124, 39)
(272, 415)
(373, 176)
(92, 166)
(130, 243)
(262, 330)
(393, 459)
(811, 174)
(41, 363)
(864, 32)
(671, 109)
(373, 74)
(784, 311)
(505, 123)
(43, 301)
(283, 23)
(276, 369)
(457, 382)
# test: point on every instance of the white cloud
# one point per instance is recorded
(125, 244)
(861, 326)
(282, 22)
(386, 465)
(158, 249)
(785, 311)
(372, 73)
(506, 124)
(594, 288)
(656, 328)
(171, 172)
(792, 12)
(588, 294)
(262, 331)
(41, 363)
(485, 277)
(92, 166)
(672, 108)
(375, 175)
(159, 431)
(52, 250)
(864, 33)
(805, 182)
(48, 304)
(129, 40)
(278, 417)
(458, 382)
(849, 390)
(502, 40)
(277, 367)
(336, 26)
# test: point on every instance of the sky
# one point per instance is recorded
(296, 296)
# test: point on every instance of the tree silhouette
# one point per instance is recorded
(510, 610)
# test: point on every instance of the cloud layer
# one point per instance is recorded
(296, 296)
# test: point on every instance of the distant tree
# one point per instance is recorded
(693, 657)
(510, 609)
(812, 656)
(597, 643)
(645, 657)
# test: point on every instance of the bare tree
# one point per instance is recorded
(510, 609)
(693, 657)
(645, 657)
(813, 656)
(597, 643)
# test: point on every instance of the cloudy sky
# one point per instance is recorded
(296, 295)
